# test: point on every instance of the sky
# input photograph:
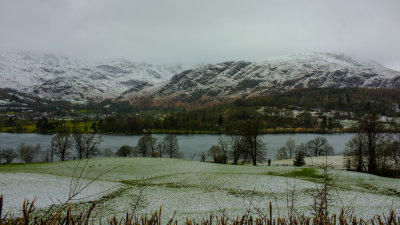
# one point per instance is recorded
(203, 31)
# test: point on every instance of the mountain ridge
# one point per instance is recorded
(226, 81)
(58, 77)
(143, 84)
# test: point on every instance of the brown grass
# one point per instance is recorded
(68, 217)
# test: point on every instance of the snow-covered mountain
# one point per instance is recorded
(56, 77)
(229, 80)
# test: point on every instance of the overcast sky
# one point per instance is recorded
(202, 31)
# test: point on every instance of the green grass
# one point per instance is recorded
(309, 174)
(306, 173)
(81, 111)
(30, 127)
(184, 131)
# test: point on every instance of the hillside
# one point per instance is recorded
(144, 85)
(62, 78)
(227, 81)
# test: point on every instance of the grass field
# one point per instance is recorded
(194, 189)
(333, 161)
(30, 127)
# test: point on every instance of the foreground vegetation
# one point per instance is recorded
(263, 218)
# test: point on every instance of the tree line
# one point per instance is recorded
(148, 146)
(318, 146)
(86, 145)
(372, 151)
(62, 145)
(275, 111)
(241, 143)
(357, 100)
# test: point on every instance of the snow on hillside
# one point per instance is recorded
(230, 80)
(57, 77)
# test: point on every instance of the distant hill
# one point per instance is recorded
(227, 81)
(146, 85)
(62, 78)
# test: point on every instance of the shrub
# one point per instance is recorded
(125, 150)
(299, 159)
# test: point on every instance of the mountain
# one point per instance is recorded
(62, 78)
(227, 81)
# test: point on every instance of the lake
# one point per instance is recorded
(189, 145)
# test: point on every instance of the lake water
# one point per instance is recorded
(189, 145)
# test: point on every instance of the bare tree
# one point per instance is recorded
(387, 144)
(92, 142)
(290, 147)
(45, 155)
(28, 153)
(237, 147)
(281, 153)
(319, 146)
(52, 150)
(86, 144)
(287, 151)
(147, 145)
(61, 143)
(79, 144)
(355, 153)
(215, 153)
(224, 146)
(396, 153)
(254, 147)
(203, 156)
(162, 148)
(108, 152)
(172, 146)
(8, 154)
(371, 127)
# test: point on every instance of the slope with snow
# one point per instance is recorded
(193, 189)
(230, 80)
(56, 77)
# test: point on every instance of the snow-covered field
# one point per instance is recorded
(194, 189)
(47, 189)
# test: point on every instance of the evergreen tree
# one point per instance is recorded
(299, 159)
(330, 124)
(220, 121)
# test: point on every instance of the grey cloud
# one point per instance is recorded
(207, 31)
